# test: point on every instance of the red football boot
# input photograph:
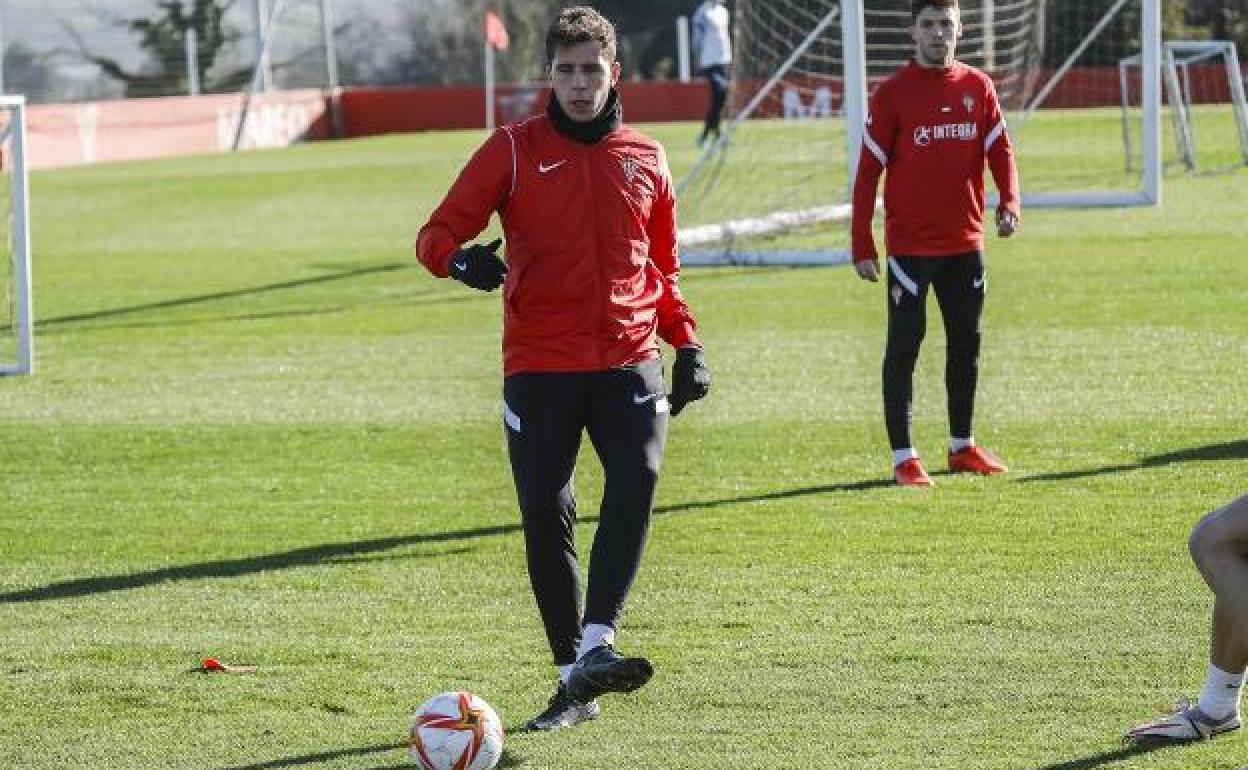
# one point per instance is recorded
(910, 473)
(975, 459)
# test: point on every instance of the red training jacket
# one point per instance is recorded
(591, 256)
(932, 129)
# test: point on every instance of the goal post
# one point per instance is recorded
(1146, 189)
(853, 37)
(17, 348)
(776, 188)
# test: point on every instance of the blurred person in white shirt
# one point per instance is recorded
(712, 45)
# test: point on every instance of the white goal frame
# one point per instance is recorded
(1149, 192)
(1178, 57)
(851, 15)
(19, 235)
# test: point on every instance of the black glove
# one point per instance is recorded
(478, 266)
(691, 379)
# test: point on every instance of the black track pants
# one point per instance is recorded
(625, 414)
(959, 281)
(717, 79)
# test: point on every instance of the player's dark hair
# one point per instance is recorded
(917, 6)
(580, 24)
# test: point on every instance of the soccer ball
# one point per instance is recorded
(456, 731)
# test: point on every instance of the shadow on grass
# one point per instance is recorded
(325, 756)
(416, 300)
(250, 565)
(44, 324)
(359, 550)
(1107, 758)
(506, 760)
(1227, 450)
(853, 486)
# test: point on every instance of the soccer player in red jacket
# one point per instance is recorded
(589, 288)
(931, 126)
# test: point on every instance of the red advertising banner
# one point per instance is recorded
(132, 129)
(98, 132)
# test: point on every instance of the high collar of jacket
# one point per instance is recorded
(590, 131)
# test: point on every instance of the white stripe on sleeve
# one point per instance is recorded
(870, 144)
(994, 135)
(513, 160)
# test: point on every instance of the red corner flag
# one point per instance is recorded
(495, 32)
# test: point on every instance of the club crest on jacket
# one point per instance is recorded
(631, 167)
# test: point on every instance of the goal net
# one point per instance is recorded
(16, 351)
(1204, 89)
(775, 187)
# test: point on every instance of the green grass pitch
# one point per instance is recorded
(260, 432)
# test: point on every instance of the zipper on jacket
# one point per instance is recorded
(591, 157)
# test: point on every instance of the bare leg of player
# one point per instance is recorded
(1219, 546)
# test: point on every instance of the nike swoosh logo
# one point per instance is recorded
(543, 168)
(643, 399)
(978, 283)
(461, 265)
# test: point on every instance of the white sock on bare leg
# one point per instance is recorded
(1220, 698)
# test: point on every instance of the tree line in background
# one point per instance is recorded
(447, 46)
(450, 49)
(439, 42)
(647, 29)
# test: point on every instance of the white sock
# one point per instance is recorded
(565, 672)
(592, 636)
(901, 455)
(958, 444)
(1220, 698)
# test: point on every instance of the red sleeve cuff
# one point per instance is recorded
(435, 252)
(682, 335)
